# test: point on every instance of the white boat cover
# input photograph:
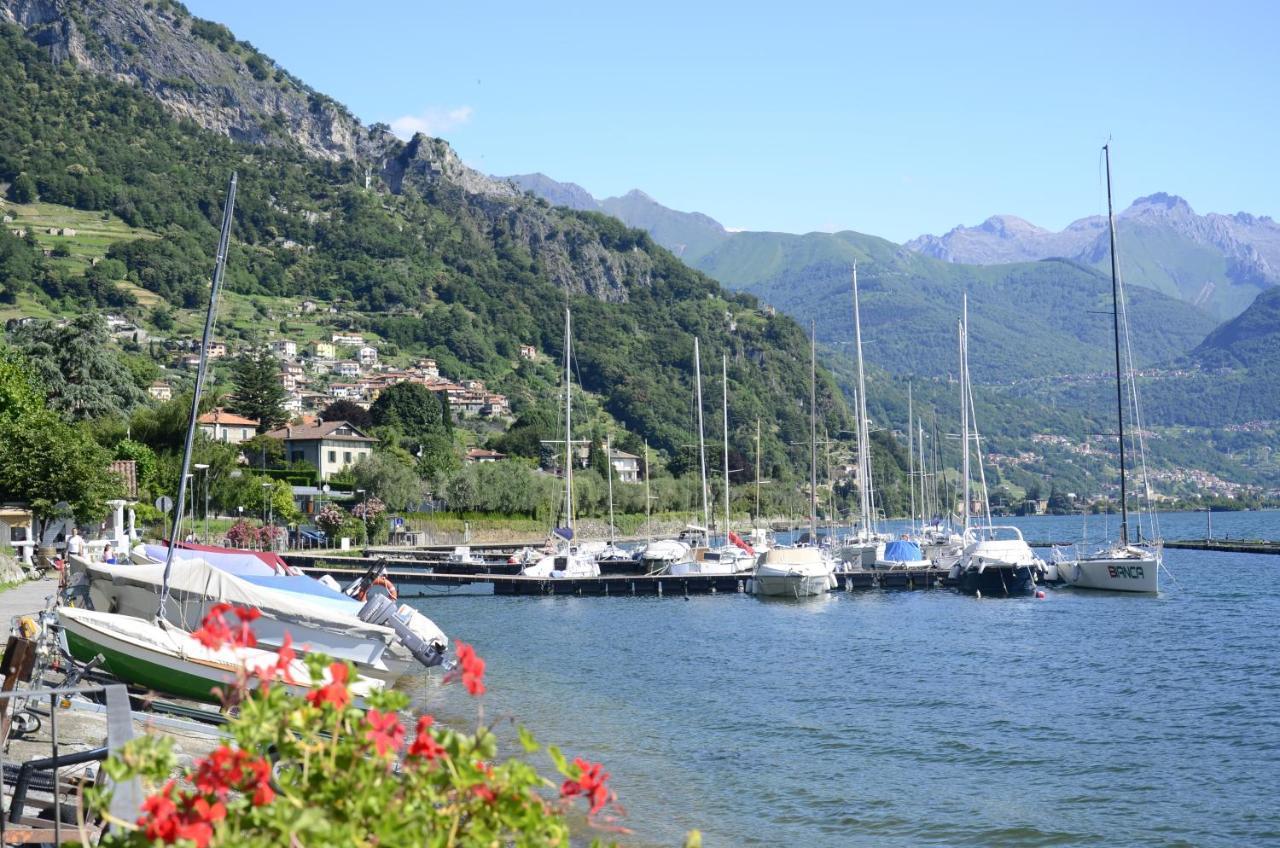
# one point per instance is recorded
(235, 563)
(199, 578)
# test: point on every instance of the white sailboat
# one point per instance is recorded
(567, 561)
(996, 560)
(862, 547)
(702, 558)
(1125, 565)
(802, 570)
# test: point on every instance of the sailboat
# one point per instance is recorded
(566, 560)
(803, 570)
(863, 546)
(730, 557)
(996, 560)
(1126, 565)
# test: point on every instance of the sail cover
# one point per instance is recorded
(901, 550)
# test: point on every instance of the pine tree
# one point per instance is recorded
(259, 393)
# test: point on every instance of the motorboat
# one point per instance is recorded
(997, 561)
(793, 573)
(165, 658)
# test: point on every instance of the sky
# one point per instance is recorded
(890, 118)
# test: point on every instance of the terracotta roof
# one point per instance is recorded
(323, 430)
(221, 416)
(482, 453)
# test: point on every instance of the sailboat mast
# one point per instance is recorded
(757, 518)
(924, 502)
(608, 454)
(568, 421)
(964, 408)
(219, 265)
(864, 449)
(724, 379)
(1115, 324)
(911, 457)
(813, 435)
(648, 499)
(702, 445)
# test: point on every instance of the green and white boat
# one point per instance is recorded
(165, 659)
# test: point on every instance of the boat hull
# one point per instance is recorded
(998, 580)
(1126, 574)
(790, 585)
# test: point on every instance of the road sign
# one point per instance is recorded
(164, 503)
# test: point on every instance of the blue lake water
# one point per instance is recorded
(913, 717)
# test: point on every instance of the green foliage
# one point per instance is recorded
(20, 393)
(509, 487)
(82, 375)
(412, 408)
(259, 393)
(392, 478)
(349, 411)
(147, 464)
(22, 189)
(44, 461)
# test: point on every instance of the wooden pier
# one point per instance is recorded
(419, 582)
(1234, 546)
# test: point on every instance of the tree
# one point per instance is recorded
(22, 189)
(258, 392)
(349, 411)
(392, 480)
(45, 461)
(411, 407)
(82, 375)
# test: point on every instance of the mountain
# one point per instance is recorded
(1250, 340)
(688, 235)
(143, 113)
(1217, 262)
(1027, 320)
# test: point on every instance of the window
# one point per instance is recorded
(346, 457)
(333, 456)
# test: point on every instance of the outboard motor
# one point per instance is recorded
(415, 631)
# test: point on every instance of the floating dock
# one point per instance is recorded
(1233, 546)
(419, 583)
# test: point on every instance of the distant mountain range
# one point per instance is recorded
(1217, 262)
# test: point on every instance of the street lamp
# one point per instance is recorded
(203, 466)
(189, 483)
(266, 502)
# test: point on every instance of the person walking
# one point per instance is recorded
(75, 543)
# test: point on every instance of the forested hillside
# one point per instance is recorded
(418, 259)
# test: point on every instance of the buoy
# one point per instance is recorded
(1040, 594)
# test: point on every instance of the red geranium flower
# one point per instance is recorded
(386, 732)
(425, 744)
(335, 692)
(214, 631)
(470, 670)
(590, 784)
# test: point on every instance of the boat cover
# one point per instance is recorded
(902, 550)
(241, 563)
(271, 558)
(197, 577)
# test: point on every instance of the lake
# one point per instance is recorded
(913, 717)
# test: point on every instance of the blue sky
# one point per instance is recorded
(887, 118)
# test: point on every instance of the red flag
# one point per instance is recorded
(737, 540)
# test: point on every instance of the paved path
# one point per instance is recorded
(26, 598)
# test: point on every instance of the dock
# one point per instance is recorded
(420, 583)
(1234, 546)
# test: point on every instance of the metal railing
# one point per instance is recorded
(29, 775)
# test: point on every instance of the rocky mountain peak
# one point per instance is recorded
(1008, 226)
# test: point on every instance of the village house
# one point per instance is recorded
(347, 339)
(293, 404)
(307, 307)
(346, 391)
(217, 350)
(223, 426)
(330, 446)
(494, 405)
(625, 465)
(323, 350)
(285, 348)
(528, 352)
(347, 368)
(368, 356)
(428, 368)
(191, 360)
(484, 455)
(160, 390)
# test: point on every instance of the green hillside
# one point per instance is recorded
(432, 268)
(1027, 320)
